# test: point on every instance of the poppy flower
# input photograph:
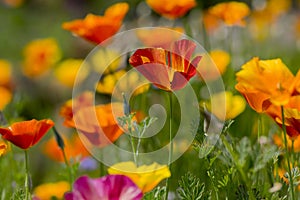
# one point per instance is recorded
(231, 13)
(67, 72)
(39, 56)
(213, 65)
(113, 83)
(159, 36)
(3, 148)
(6, 97)
(26, 133)
(73, 149)
(5, 72)
(279, 141)
(257, 100)
(168, 70)
(71, 106)
(111, 187)
(233, 104)
(96, 28)
(48, 191)
(171, 9)
(271, 78)
(146, 177)
(98, 124)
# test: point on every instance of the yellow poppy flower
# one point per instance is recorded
(105, 61)
(67, 72)
(146, 177)
(207, 70)
(48, 191)
(233, 104)
(39, 56)
(5, 72)
(6, 97)
(3, 148)
(231, 13)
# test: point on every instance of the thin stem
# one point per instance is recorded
(287, 153)
(133, 148)
(27, 193)
(101, 165)
(171, 142)
(71, 179)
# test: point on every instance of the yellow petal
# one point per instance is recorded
(146, 177)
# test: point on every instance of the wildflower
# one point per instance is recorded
(159, 36)
(168, 70)
(48, 191)
(279, 141)
(114, 83)
(3, 148)
(96, 28)
(6, 97)
(5, 72)
(106, 61)
(271, 78)
(67, 111)
(26, 133)
(233, 104)
(98, 124)
(39, 56)
(213, 65)
(171, 9)
(109, 187)
(146, 176)
(73, 149)
(67, 72)
(210, 21)
(231, 13)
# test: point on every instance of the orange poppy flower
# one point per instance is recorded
(231, 13)
(39, 56)
(159, 36)
(96, 28)
(73, 148)
(26, 133)
(297, 83)
(98, 124)
(171, 9)
(258, 101)
(267, 77)
(168, 70)
(70, 107)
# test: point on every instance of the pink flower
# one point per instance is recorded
(111, 187)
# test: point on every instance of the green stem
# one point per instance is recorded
(239, 168)
(287, 154)
(71, 179)
(27, 187)
(101, 165)
(133, 148)
(206, 39)
(171, 143)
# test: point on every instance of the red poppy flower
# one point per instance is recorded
(167, 69)
(26, 133)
